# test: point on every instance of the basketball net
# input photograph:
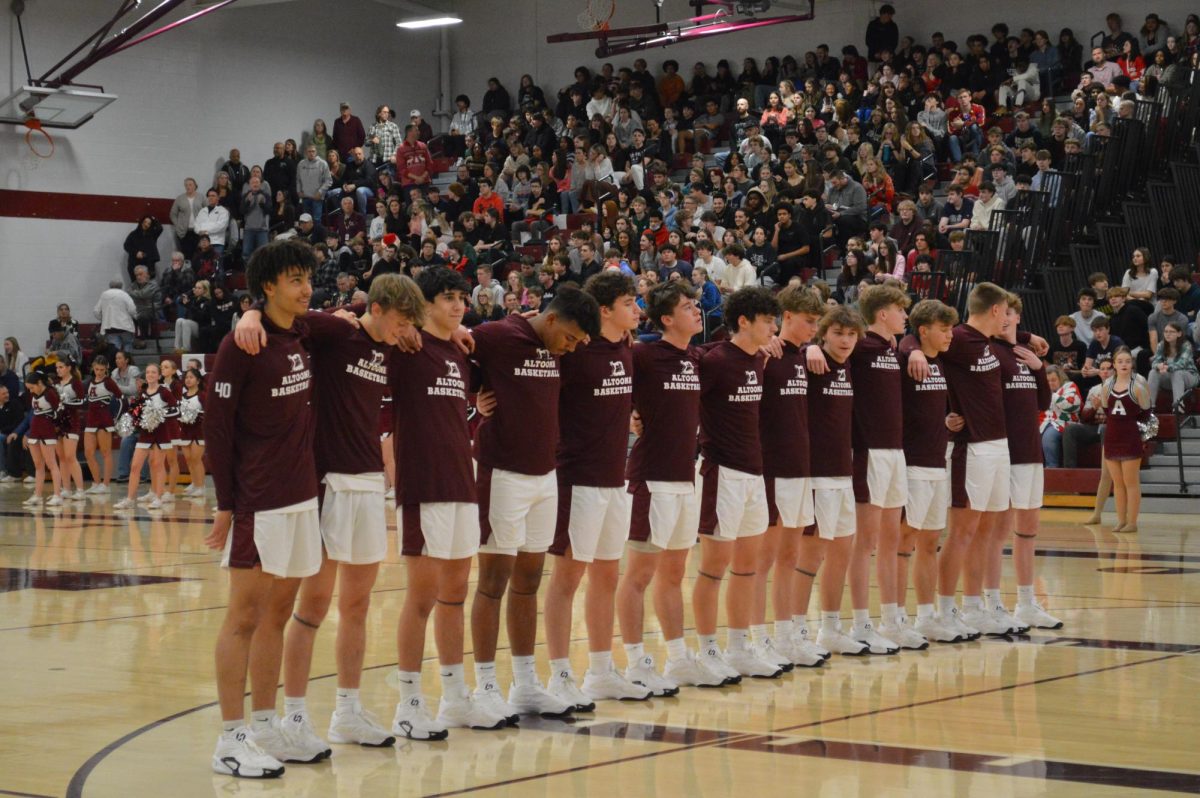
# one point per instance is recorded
(597, 15)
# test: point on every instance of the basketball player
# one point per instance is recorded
(661, 473)
(595, 402)
(783, 430)
(1026, 394)
(926, 435)
(733, 499)
(518, 490)
(830, 412)
(259, 431)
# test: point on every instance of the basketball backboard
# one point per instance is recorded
(67, 107)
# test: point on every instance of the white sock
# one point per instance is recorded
(600, 661)
(924, 611)
(634, 652)
(677, 649)
(799, 623)
(738, 639)
(708, 642)
(972, 602)
(524, 671)
(410, 683)
(991, 597)
(887, 613)
(783, 629)
(232, 725)
(831, 621)
(345, 700)
(946, 605)
(292, 706)
(862, 617)
(558, 666)
(453, 681)
(260, 719)
(485, 673)
(758, 632)
(1025, 595)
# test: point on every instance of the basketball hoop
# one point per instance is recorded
(34, 125)
(596, 17)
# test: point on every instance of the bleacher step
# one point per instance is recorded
(1172, 460)
(1187, 504)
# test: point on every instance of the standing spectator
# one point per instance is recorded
(115, 310)
(237, 171)
(280, 171)
(183, 216)
(141, 245)
(414, 164)
(496, 98)
(1065, 404)
(61, 326)
(882, 33)
(1174, 364)
(462, 124)
(213, 221)
(384, 137)
(348, 132)
(13, 459)
(313, 179)
(17, 360)
(176, 282)
(1153, 36)
(147, 297)
(256, 216)
(425, 132)
(195, 316)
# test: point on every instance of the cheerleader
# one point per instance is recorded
(72, 397)
(385, 444)
(155, 443)
(191, 433)
(172, 381)
(1126, 399)
(98, 425)
(42, 438)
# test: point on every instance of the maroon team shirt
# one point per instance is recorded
(432, 439)
(973, 376)
(830, 410)
(258, 423)
(878, 420)
(925, 433)
(731, 387)
(783, 415)
(1026, 394)
(593, 411)
(522, 435)
(666, 395)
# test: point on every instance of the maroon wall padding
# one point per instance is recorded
(82, 207)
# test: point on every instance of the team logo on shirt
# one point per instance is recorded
(542, 364)
(451, 385)
(796, 385)
(616, 383)
(987, 361)
(618, 368)
(373, 369)
(751, 378)
(295, 382)
(685, 379)
(750, 392)
(841, 375)
(452, 370)
(934, 382)
(886, 361)
(687, 367)
(297, 362)
(543, 354)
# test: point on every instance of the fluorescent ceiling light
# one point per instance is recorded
(430, 22)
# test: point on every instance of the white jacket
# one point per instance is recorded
(212, 222)
(115, 310)
(981, 213)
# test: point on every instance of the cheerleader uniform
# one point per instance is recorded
(41, 427)
(99, 400)
(385, 417)
(72, 396)
(1122, 438)
(162, 436)
(176, 390)
(194, 432)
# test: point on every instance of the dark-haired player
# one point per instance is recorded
(662, 481)
(830, 412)
(518, 490)
(926, 436)
(733, 499)
(783, 428)
(594, 405)
(259, 432)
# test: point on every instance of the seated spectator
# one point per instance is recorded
(669, 265)
(176, 282)
(1087, 313)
(1103, 344)
(61, 326)
(345, 223)
(141, 245)
(981, 209)
(846, 202)
(1129, 323)
(1065, 404)
(1166, 314)
(147, 299)
(1102, 70)
(1189, 293)
(1141, 278)
(956, 213)
(1090, 428)
(739, 270)
(965, 120)
(195, 306)
(1174, 364)
(1067, 352)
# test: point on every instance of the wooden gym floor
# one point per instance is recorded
(106, 644)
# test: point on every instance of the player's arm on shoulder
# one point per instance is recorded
(918, 365)
(249, 334)
(814, 360)
(464, 339)
(773, 348)
(330, 325)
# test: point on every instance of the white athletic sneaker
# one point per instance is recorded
(465, 712)
(808, 639)
(713, 658)
(904, 636)
(154, 504)
(532, 699)
(390, 495)
(691, 671)
(985, 622)
(146, 498)
(412, 721)
(6, 478)
(278, 743)
(28, 480)
(933, 629)
(955, 621)
(876, 643)
(492, 700)
(299, 729)
(67, 493)
(644, 673)
(563, 687)
(167, 497)
(1001, 614)
(124, 504)
(768, 651)
(804, 655)
(96, 489)
(237, 755)
(747, 662)
(838, 642)
(1035, 616)
(359, 726)
(54, 501)
(33, 500)
(611, 685)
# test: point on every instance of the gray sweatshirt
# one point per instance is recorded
(934, 122)
(312, 178)
(849, 201)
